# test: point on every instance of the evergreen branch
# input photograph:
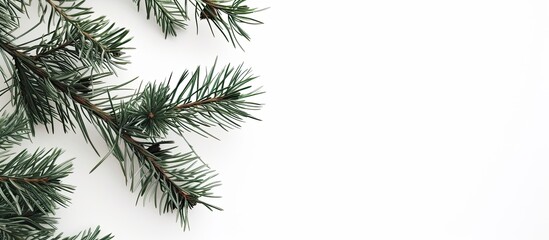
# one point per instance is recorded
(95, 39)
(13, 129)
(85, 235)
(54, 78)
(75, 23)
(37, 226)
(30, 91)
(227, 16)
(170, 15)
(181, 188)
(219, 99)
(33, 181)
(9, 10)
(28, 225)
(33, 90)
(53, 50)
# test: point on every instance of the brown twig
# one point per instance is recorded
(200, 102)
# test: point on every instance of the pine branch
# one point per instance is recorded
(52, 81)
(32, 86)
(96, 41)
(85, 235)
(181, 188)
(31, 189)
(13, 129)
(170, 15)
(33, 181)
(177, 193)
(8, 14)
(216, 99)
(219, 99)
(29, 225)
(226, 16)
(37, 226)
(179, 198)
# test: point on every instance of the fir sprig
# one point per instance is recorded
(29, 225)
(31, 188)
(85, 235)
(9, 10)
(227, 16)
(13, 129)
(95, 40)
(217, 99)
(36, 81)
(57, 78)
(170, 14)
(33, 181)
(140, 121)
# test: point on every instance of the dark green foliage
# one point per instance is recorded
(153, 110)
(8, 15)
(226, 16)
(85, 235)
(13, 129)
(78, 51)
(31, 187)
(176, 182)
(93, 40)
(219, 98)
(34, 180)
(170, 14)
(29, 225)
(58, 80)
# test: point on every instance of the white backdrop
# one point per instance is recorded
(387, 119)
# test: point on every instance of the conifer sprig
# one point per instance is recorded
(13, 130)
(33, 181)
(35, 82)
(170, 14)
(31, 188)
(94, 40)
(9, 9)
(29, 225)
(227, 16)
(57, 78)
(219, 98)
(85, 235)
(175, 181)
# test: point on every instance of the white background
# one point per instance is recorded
(386, 119)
